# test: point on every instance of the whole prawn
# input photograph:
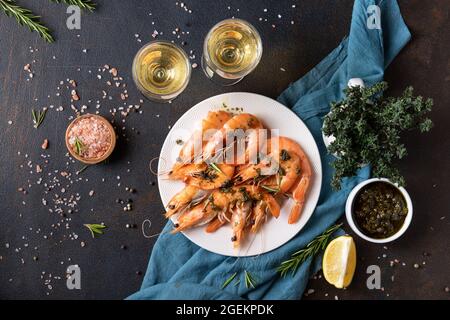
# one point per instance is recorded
(243, 122)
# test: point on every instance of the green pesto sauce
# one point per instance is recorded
(379, 210)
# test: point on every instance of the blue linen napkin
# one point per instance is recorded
(179, 269)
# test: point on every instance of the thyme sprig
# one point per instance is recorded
(317, 245)
(367, 128)
(38, 116)
(95, 228)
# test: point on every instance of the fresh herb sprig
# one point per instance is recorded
(249, 280)
(81, 170)
(79, 146)
(38, 116)
(95, 228)
(215, 167)
(82, 4)
(25, 18)
(312, 249)
(368, 128)
(270, 189)
(228, 281)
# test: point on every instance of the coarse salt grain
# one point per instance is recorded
(94, 135)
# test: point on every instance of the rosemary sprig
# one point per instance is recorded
(249, 280)
(95, 228)
(313, 248)
(270, 189)
(228, 281)
(79, 146)
(81, 170)
(38, 117)
(82, 4)
(215, 167)
(26, 18)
(279, 181)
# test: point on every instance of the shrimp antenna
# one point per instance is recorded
(155, 172)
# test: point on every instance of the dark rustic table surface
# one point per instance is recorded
(42, 213)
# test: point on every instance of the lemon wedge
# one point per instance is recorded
(339, 261)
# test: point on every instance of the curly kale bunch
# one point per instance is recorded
(367, 128)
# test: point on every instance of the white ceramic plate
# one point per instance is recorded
(274, 115)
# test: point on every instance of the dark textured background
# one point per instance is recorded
(109, 37)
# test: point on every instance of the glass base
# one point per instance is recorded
(158, 100)
(216, 78)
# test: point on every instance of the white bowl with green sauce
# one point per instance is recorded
(378, 210)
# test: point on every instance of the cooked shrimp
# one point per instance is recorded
(243, 213)
(255, 144)
(233, 205)
(190, 195)
(300, 189)
(214, 206)
(221, 201)
(270, 183)
(211, 177)
(287, 173)
(259, 216)
(294, 176)
(268, 204)
(192, 149)
(184, 171)
(240, 214)
(272, 205)
(244, 121)
(301, 186)
(204, 176)
(215, 120)
(198, 215)
(216, 223)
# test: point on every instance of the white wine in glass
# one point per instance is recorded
(232, 49)
(161, 70)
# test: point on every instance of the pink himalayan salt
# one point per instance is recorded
(94, 135)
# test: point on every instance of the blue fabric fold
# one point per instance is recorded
(179, 269)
